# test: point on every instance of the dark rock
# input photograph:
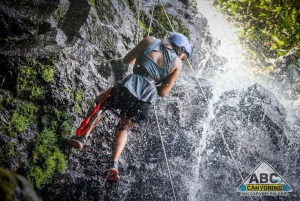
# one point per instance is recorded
(287, 70)
(16, 187)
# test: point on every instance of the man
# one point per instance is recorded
(157, 66)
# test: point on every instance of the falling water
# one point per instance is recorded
(238, 73)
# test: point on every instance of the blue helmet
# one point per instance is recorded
(181, 41)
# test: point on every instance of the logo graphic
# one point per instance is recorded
(264, 181)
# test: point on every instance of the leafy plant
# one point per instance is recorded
(274, 24)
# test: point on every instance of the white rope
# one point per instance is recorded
(219, 127)
(167, 16)
(166, 158)
(138, 23)
(161, 138)
(151, 18)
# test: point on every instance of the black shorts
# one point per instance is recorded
(131, 107)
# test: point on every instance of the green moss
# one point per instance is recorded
(182, 29)
(93, 3)
(10, 148)
(66, 129)
(131, 5)
(59, 14)
(160, 15)
(297, 90)
(47, 159)
(48, 73)
(7, 153)
(2, 103)
(47, 154)
(32, 78)
(105, 12)
(8, 182)
(78, 96)
(144, 28)
(59, 121)
(94, 19)
(77, 100)
(23, 117)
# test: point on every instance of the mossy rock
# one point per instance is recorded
(47, 159)
(105, 11)
(33, 76)
(23, 117)
(15, 187)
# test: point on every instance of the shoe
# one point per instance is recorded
(113, 174)
(77, 142)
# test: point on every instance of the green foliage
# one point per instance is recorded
(7, 152)
(57, 120)
(143, 26)
(160, 15)
(78, 96)
(131, 5)
(46, 153)
(105, 11)
(23, 117)
(182, 29)
(46, 156)
(275, 24)
(94, 18)
(297, 89)
(59, 14)
(2, 103)
(8, 183)
(32, 78)
(160, 29)
(93, 3)
(66, 129)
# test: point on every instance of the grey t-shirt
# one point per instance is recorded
(138, 84)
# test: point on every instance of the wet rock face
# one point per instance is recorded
(287, 70)
(57, 56)
(254, 126)
(143, 169)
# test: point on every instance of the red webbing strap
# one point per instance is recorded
(84, 125)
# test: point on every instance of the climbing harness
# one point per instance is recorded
(84, 126)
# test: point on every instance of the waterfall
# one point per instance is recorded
(236, 80)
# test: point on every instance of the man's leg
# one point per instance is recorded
(96, 117)
(119, 143)
(79, 142)
(120, 137)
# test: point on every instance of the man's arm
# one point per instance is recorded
(131, 56)
(169, 82)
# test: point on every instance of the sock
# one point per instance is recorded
(113, 164)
